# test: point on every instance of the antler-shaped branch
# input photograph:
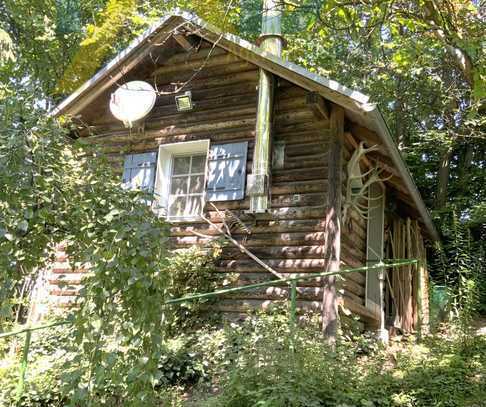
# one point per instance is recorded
(355, 179)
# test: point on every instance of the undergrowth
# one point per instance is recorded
(259, 363)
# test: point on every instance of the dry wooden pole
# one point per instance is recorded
(244, 249)
(409, 312)
(422, 304)
(332, 239)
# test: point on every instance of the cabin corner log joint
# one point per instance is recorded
(289, 180)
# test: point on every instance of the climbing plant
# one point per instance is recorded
(54, 190)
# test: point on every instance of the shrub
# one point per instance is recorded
(267, 368)
(190, 271)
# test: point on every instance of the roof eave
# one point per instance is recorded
(385, 134)
(330, 89)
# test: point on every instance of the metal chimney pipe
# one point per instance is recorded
(271, 38)
(258, 185)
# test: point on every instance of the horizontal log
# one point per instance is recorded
(63, 301)
(306, 174)
(353, 297)
(360, 310)
(241, 306)
(306, 149)
(363, 134)
(308, 136)
(357, 277)
(354, 287)
(210, 95)
(184, 229)
(350, 259)
(63, 293)
(289, 213)
(283, 293)
(277, 239)
(291, 128)
(283, 252)
(319, 185)
(65, 282)
(226, 305)
(66, 270)
(290, 265)
(298, 200)
(357, 251)
(192, 64)
(203, 109)
(207, 82)
(194, 55)
(188, 77)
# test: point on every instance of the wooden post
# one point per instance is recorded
(332, 250)
(422, 286)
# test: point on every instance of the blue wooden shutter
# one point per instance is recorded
(139, 171)
(227, 171)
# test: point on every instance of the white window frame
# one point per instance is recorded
(164, 173)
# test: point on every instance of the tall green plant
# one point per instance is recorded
(53, 190)
(461, 268)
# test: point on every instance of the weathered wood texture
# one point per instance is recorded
(290, 237)
(332, 244)
(63, 281)
(353, 235)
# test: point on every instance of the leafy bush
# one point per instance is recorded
(265, 367)
(460, 265)
(190, 271)
(46, 363)
(260, 363)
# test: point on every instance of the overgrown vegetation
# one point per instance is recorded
(56, 190)
(253, 364)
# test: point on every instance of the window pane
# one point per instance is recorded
(178, 185)
(193, 206)
(197, 184)
(198, 163)
(181, 165)
(177, 206)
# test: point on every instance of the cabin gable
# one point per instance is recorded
(198, 163)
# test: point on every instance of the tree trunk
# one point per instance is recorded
(443, 179)
(465, 168)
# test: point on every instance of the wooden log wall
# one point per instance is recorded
(63, 281)
(290, 237)
(353, 245)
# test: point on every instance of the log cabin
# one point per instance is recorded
(307, 167)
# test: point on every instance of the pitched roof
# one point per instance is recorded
(357, 105)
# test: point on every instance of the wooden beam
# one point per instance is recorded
(185, 41)
(318, 105)
(370, 137)
(332, 240)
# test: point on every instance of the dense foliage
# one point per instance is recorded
(256, 364)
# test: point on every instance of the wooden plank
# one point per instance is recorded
(333, 225)
(319, 185)
(265, 227)
(361, 311)
(185, 41)
(318, 105)
(283, 252)
(301, 174)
